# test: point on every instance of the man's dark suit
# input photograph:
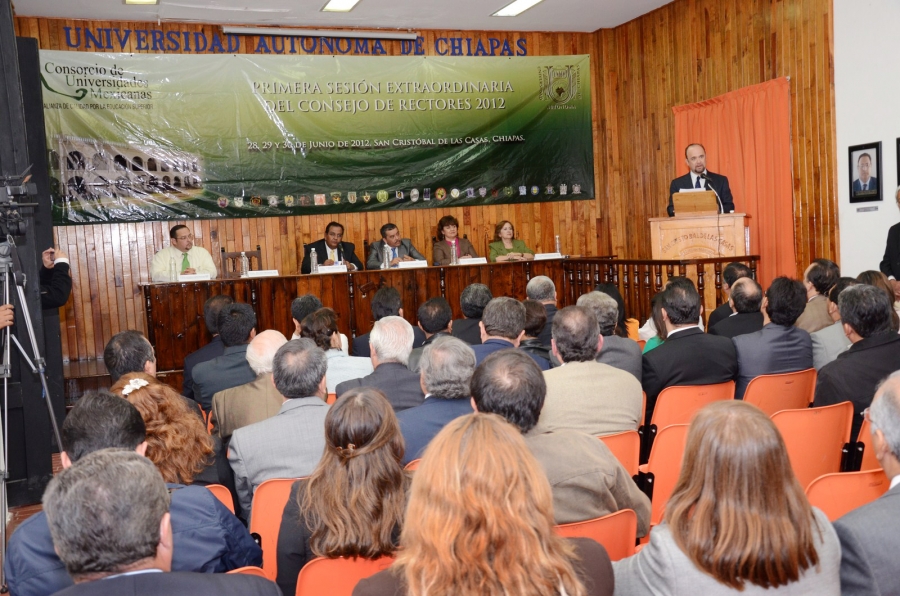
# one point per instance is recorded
(890, 264)
(376, 253)
(416, 354)
(719, 183)
(179, 582)
(484, 350)
(346, 252)
(227, 371)
(361, 342)
(420, 424)
(622, 353)
(722, 312)
(546, 333)
(688, 357)
(871, 185)
(211, 350)
(771, 350)
(855, 374)
(869, 541)
(401, 386)
(738, 324)
(467, 330)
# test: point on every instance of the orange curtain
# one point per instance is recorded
(747, 136)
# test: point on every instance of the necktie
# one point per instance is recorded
(698, 183)
(185, 263)
(394, 252)
(865, 186)
(332, 254)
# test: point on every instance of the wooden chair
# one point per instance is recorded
(337, 577)
(661, 472)
(816, 438)
(678, 404)
(785, 391)
(617, 532)
(626, 446)
(250, 571)
(840, 493)
(223, 494)
(265, 518)
(231, 262)
(864, 452)
(413, 465)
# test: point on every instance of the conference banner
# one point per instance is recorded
(136, 137)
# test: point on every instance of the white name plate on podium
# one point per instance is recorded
(194, 277)
(417, 264)
(332, 269)
(263, 273)
(473, 261)
(547, 256)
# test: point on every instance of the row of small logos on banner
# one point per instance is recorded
(382, 196)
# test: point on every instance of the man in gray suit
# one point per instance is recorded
(831, 342)
(237, 326)
(619, 352)
(869, 535)
(401, 248)
(778, 347)
(290, 444)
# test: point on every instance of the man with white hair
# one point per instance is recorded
(254, 401)
(542, 289)
(869, 534)
(391, 342)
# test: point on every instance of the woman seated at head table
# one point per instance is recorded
(506, 247)
(449, 240)
(738, 521)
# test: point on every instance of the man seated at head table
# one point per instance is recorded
(401, 248)
(448, 241)
(331, 250)
(189, 258)
(506, 247)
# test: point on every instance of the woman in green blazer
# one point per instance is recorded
(505, 247)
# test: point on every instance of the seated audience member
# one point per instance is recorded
(129, 351)
(331, 250)
(585, 395)
(445, 370)
(746, 300)
(875, 353)
(659, 324)
(189, 258)
(829, 342)
(435, 320)
(778, 347)
(688, 356)
(237, 326)
(737, 521)
(390, 344)
(472, 302)
(254, 401)
(819, 277)
(207, 537)
(385, 303)
(480, 521)
(586, 479)
(880, 280)
(290, 444)
(401, 248)
(869, 534)
(612, 291)
(535, 320)
(618, 352)
(321, 327)
(732, 272)
(542, 289)
(112, 524)
(505, 247)
(305, 305)
(448, 241)
(54, 279)
(211, 309)
(352, 505)
(503, 326)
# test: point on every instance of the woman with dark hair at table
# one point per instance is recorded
(448, 241)
(738, 521)
(506, 247)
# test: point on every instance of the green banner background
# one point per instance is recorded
(150, 137)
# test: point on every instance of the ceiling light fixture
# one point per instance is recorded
(351, 33)
(339, 5)
(515, 8)
(144, 2)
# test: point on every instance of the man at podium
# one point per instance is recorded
(700, 178)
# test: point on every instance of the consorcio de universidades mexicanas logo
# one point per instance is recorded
(560, 85)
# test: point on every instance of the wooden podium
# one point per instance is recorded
(699, 236)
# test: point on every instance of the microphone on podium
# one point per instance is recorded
(709, 181)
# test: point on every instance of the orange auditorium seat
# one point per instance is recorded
(841, 493)
(785, 391)
(265, 518)
(337, 577)
(617, 532)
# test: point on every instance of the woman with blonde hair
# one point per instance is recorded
(738, 520)
(480, 521)
(353, 503)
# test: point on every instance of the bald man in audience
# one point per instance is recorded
(818, 278)
(830, 342)
(746, 300)
(254, 401)
(732, 272)
(870, 535)
(586, 478)
(585, 395)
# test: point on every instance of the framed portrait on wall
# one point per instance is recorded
(865, 172)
